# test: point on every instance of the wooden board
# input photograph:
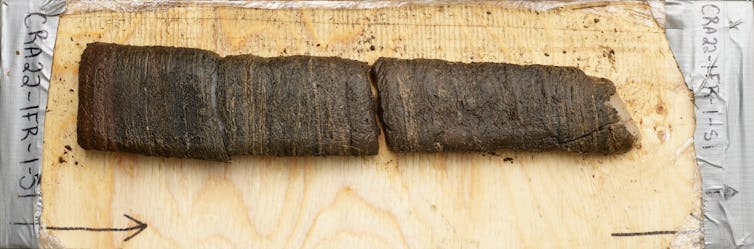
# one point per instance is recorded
(445, 200)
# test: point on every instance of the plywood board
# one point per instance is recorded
(505, 199)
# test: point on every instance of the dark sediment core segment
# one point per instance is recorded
(297, 105)
(190, 103)
(434, 105)
(150, 100)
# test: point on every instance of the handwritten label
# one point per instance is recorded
(29, 113)
(28, 39)
(710, 97)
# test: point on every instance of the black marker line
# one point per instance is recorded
(29, 108)
(140, 226)
(30, 195)
(643, 233)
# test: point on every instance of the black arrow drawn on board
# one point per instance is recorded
(140, 226)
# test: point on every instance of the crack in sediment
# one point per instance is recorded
(598, 129)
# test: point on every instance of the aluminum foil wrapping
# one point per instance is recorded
(713, 42)
(29, 29)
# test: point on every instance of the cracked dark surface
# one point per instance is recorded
(149, 100)
(297, 105)
(190, 103)
(433, 105)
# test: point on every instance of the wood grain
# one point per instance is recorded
(445, 200)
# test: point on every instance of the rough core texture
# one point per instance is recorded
(190, 103)
(433, 105)
(298, 105)
(149, 100)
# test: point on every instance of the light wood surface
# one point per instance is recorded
(446, 200)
